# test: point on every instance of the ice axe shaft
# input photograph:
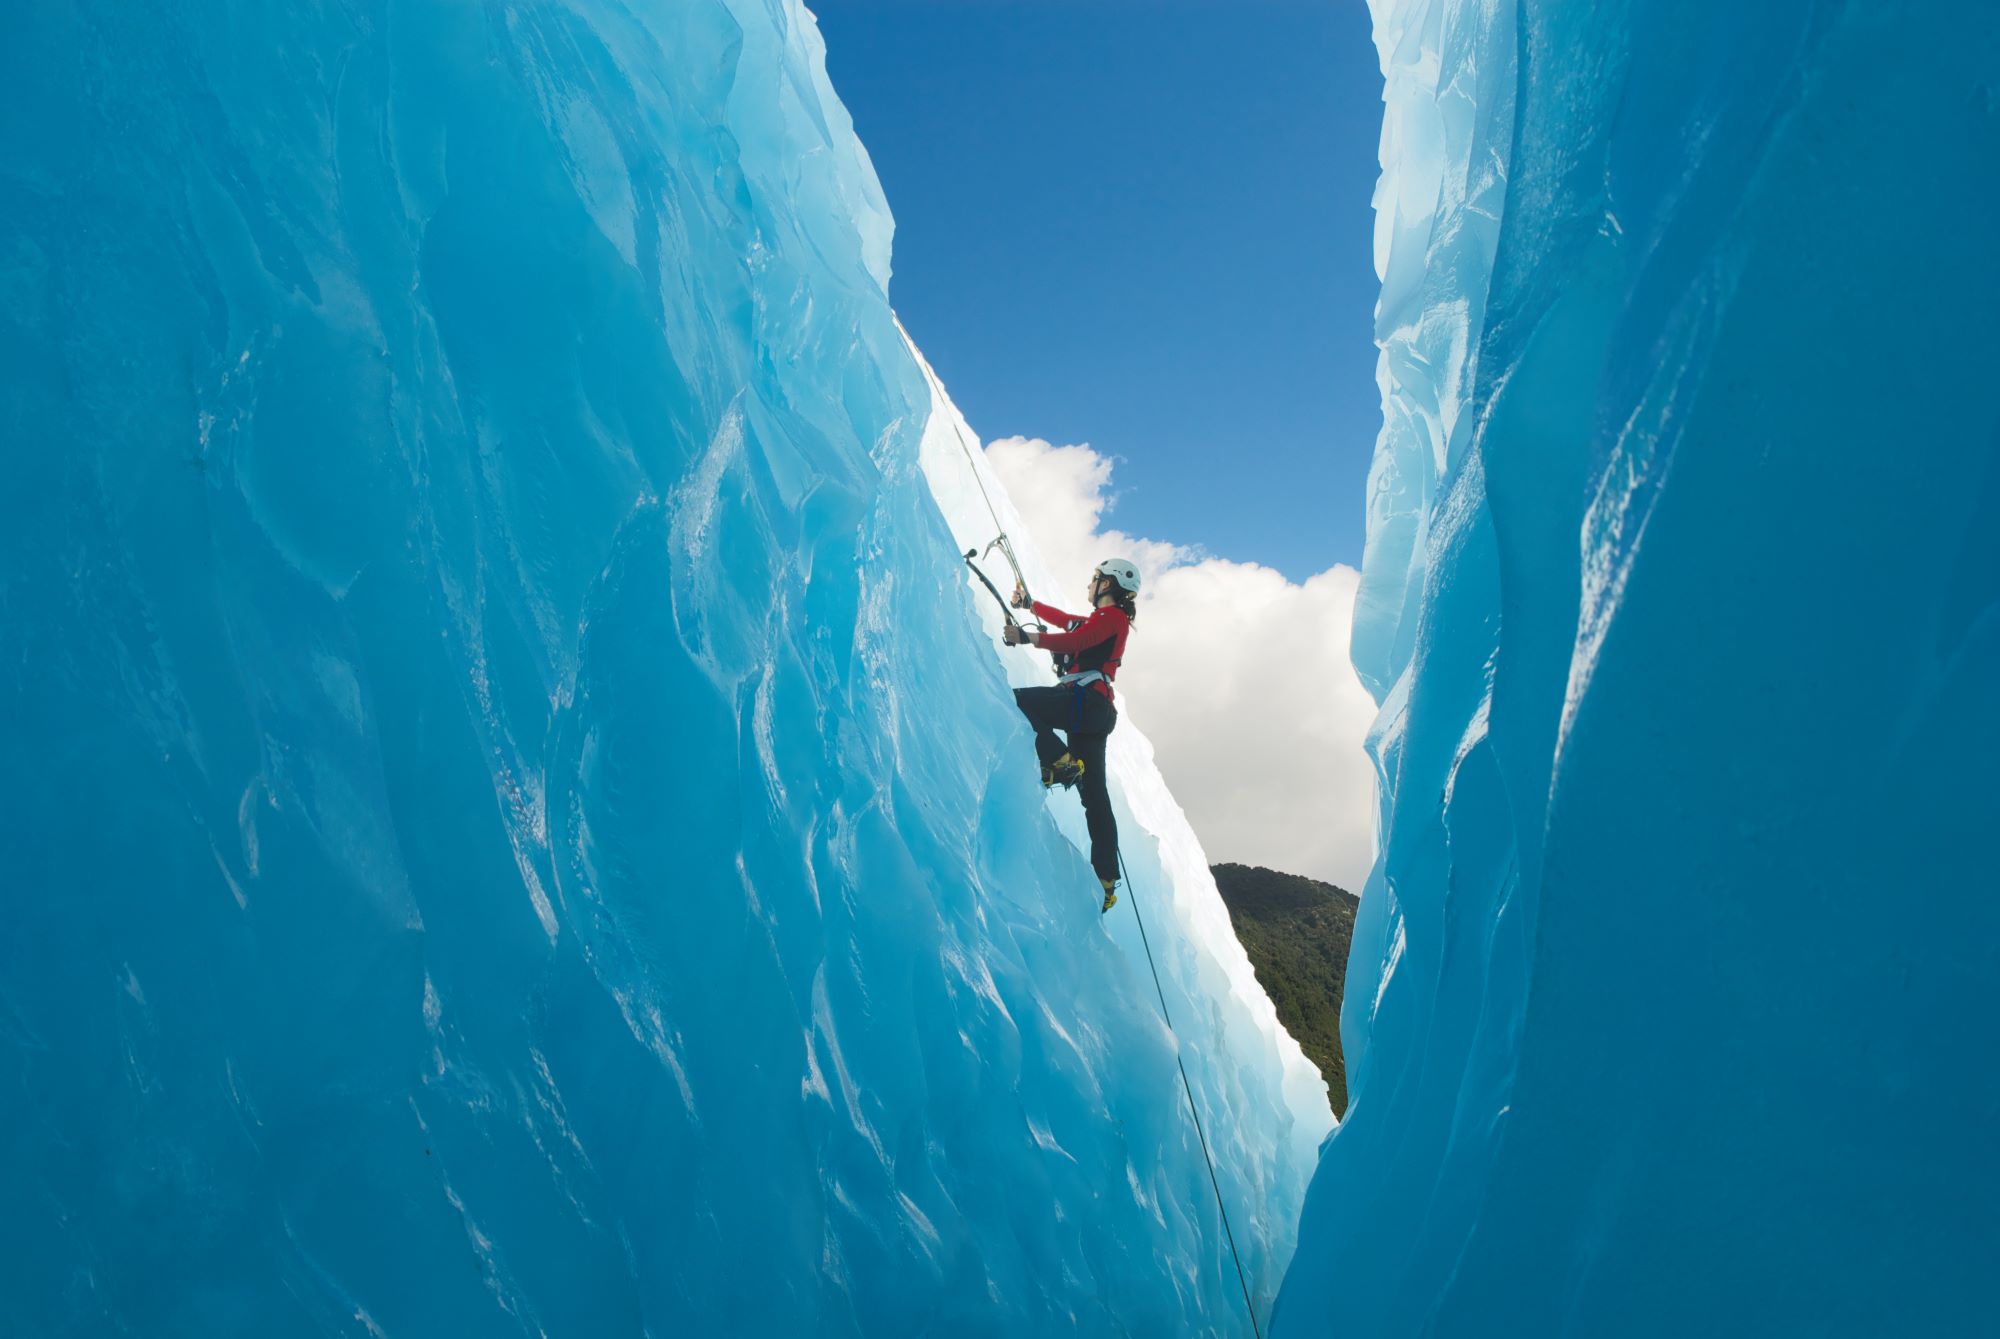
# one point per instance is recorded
(971, 561)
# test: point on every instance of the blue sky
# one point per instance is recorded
(1145, 225)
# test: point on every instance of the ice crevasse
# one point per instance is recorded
(513, 818)
(1670, 1005)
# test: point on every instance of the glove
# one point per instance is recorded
(1014, 634)
(1020, 600)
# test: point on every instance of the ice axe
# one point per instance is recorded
(972, 561)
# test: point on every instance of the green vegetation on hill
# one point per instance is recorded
(1296, 931)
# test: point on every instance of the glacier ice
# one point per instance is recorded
(1670, 1006)
(513, 823)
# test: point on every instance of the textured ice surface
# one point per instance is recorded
(512, 822)
(1671, 1003)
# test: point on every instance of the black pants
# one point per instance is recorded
(1082, 713)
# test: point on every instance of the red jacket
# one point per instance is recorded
(1096, 642)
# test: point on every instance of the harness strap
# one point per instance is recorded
(1083, 676)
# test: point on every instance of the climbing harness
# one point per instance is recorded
(1080, 679)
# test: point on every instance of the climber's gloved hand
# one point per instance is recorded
(1014, 635)
(1020, 600)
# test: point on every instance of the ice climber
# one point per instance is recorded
(1079, 703)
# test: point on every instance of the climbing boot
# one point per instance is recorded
(1065, 771)
(1110, 893)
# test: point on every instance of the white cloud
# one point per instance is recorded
(1239, 676)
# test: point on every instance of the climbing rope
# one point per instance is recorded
(1000, 541)
(1201, 1134)
(1132, 896)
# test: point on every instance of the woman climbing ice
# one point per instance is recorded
(1079, 703)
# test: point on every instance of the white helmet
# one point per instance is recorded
(1122, 572)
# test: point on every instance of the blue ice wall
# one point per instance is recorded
(1671, 1003)
(510, 823)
